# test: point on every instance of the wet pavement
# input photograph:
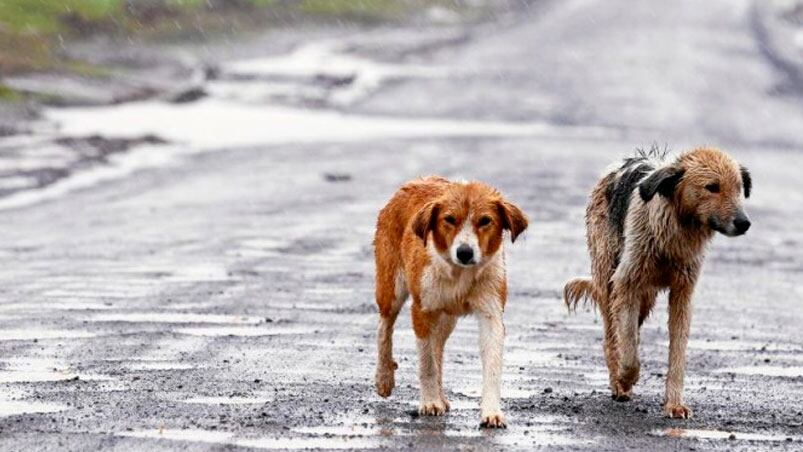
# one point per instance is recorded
(210, 285)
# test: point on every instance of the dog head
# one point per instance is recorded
(707, 187)
(467, 223)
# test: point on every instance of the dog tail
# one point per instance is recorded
(577, 290)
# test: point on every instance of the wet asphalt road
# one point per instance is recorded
(225, 301)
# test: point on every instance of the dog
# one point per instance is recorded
(442, 243)
(648, 224)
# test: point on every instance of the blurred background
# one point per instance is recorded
(188, 190)
(333, 55)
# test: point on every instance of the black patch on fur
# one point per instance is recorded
(662, 181)
(621, 188)
(747, 181)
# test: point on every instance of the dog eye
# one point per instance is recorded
(713, 188)
(484, 221)
(450, 219)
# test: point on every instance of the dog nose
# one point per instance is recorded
(465, 254)
(742, 224)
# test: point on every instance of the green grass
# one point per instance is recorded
(8, 95)
(371, 8)
(47, 16)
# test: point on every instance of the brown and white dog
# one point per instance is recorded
(441, 242)
(648, 223)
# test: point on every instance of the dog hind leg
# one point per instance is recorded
(391, 293)
(611, 355)
(626, 304)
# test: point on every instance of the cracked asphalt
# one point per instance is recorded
(222, 298)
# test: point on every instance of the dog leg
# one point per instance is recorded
(492, 339)
(626, 312)
(432, 402)
(441, 334)
(426, 326)
(609, 346)
(679, 323)
(385, 379)
(386, 367)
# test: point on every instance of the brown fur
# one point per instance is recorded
(672, 215)
(415, 232)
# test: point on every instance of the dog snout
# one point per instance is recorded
(741, 223)
(465, 254)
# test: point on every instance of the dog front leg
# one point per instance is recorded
(679, 324)
(425, 325)
(444, 329)
(492, 339)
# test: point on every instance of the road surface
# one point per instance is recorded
(216, 291)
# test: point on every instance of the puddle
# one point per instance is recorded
(55, 306)
(245, 331)
(198, 273)
(507, 393)
(172, 317)
(192, 435)
(539, 437)
(35, 370)
(215, 124)
(343, 442)
(258, 248)
(33, 334)
(321, 71)
(719, 345)
(295, 306)
(11, 405)
(163, 365)
(353, 428)
(546, 430)
(272, 443)
(455, 404)
(118, 167)
(117, 291)
(769, 371)
(14, 408)
(719, 435)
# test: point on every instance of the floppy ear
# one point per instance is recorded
(747, 181)
(513, 219)
(425, 220)
(663, 181)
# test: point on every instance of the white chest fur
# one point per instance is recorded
(447, 287)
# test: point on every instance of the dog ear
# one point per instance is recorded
(663, 181)
(513, 219)
(425, 220)
(747, 181)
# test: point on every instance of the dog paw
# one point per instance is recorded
(434, 408)
(385, 381)
(677, 411)
(619, 394)
(494, 419)
(446, 403)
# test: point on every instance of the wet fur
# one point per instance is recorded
(413, 244)
(648, 224)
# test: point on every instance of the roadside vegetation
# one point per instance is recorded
(35, 34)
